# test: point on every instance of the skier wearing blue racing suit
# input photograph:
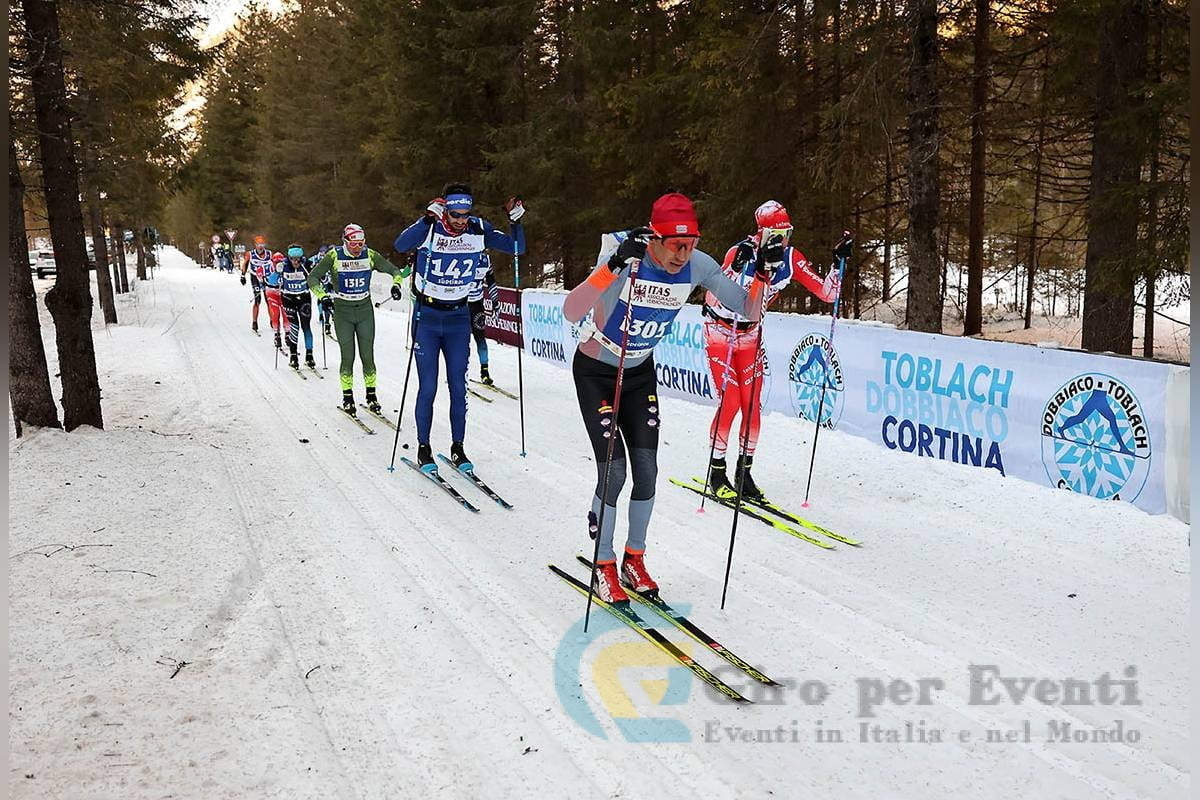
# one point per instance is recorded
(451, 242)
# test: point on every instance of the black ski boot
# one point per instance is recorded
(309, 361)
(373, 401)
(348, 402)
(749, 490)
(425, 458)
(718, 480)
(254, 326)
(459, 458)
(484, 377)
(294, 361)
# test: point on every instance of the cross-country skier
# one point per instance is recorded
(351, 266)
(734, 356)
(482, 302)
(669, 267)
(452, 241)
(297, 306)
(272, 283)
(257, 262)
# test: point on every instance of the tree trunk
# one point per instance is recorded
(100, 247)
(973, 323)
(1031, 264)
(118, 237)
(887, 223)
(28, 376)
(921, 308)
(1151, 271)
(141, 254)
(1117, 158)
(70, 300)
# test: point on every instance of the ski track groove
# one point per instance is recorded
(461, 621)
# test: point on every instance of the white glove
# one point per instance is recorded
(833, 286)
(436, 209)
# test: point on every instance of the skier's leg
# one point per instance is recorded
(428, 346)
(748, 361)
(639, 424)
(594, 386)
(456, 349)
(725, 382)
(343, 322)
(365, 331)
(291, 321)
(305, 315)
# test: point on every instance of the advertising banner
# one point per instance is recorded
(1082, 422)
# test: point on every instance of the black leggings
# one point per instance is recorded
(637, 420)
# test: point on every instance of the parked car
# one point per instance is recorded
(41, 262)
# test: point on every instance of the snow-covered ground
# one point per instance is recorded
(227, 595)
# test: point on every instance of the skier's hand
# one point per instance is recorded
(515, 209)
(435, 210)
(833, 286)
(633, 249)
(744, 257)
(319, 293)
(397, 292)
(243, 279)
(770, 256)
(843, 247)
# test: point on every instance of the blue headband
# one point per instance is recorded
(460, 202)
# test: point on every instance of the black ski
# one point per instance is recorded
(668, 613)
(440, 481)
(470, 475)
(366, 428)
(378, 416)
(626, 614)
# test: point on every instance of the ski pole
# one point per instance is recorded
(741, 483)
(324, 359)
(837, 302)
(520, 345)
(416, 320)
(614, 432)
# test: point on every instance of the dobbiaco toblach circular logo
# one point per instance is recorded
(1096, 439)
(815, 380)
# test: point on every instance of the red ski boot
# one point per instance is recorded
(633, 570)
(608, 583)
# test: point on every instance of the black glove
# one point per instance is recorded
(243, 280)
(396, 293)
(843, 247)
(743, 257)
(770, 256)
(632, 249)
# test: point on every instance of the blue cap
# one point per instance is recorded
(295, 252)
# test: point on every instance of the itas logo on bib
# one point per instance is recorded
(815, 379)
(1095, 438)
(466, 243)
(660, 295)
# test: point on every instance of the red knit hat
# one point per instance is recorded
(674, 215)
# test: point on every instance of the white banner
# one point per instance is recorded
(1088, 423)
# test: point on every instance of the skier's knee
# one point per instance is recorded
(616, 479)
(644, 463)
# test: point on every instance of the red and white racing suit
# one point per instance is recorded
(734, 357)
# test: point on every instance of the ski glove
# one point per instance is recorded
(435, 211)
(843, 247)
(833, 285)
(243, 278)
(515, 209)
(632, 250)
(770, 256)
(397, 293)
